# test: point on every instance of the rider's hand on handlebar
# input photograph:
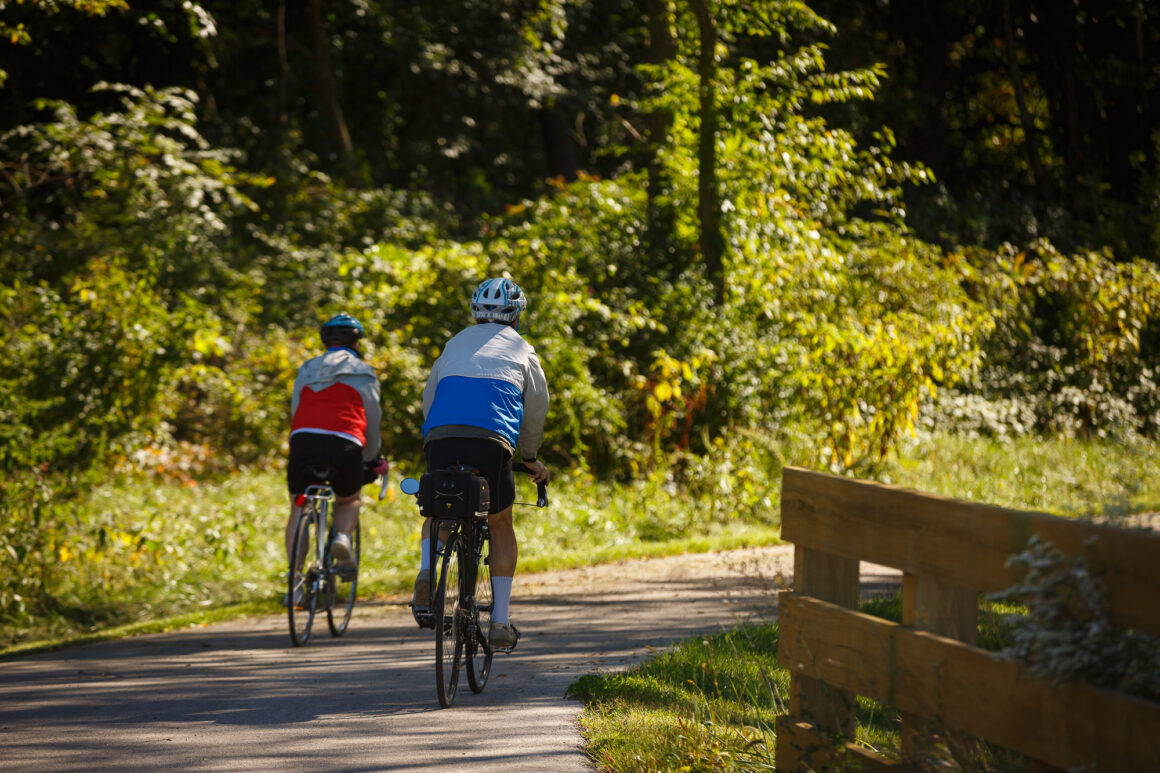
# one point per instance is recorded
(538, 470)
(377, 466)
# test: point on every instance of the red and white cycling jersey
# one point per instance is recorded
(336, 393)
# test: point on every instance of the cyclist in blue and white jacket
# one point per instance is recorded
(485, 398)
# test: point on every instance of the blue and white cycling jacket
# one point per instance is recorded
(487, 383)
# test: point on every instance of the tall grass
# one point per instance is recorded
(1064, 476)
(140, 549)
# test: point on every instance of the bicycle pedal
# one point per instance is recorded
(346, 575)
(422, 616)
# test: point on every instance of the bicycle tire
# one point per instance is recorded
(445, 614)
(478, 653)
(302, 579)
(339, 608)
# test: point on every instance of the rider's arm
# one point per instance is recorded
(535, 409)
(374, 411)
(429, 388)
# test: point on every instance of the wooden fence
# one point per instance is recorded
(949, 551)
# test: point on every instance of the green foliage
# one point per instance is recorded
(18, 34)
(159, 289)
(98, 327)
(1074, 347)
(834, 315)
(1035, 116)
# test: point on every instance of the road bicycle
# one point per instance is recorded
(460, 605)
(314, 579)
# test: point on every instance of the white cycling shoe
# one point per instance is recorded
(343, 552)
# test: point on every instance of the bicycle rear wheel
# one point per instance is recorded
(341, 596)
(445, 613)
(302, 599)
(478, 651)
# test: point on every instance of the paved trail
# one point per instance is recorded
(237, 696)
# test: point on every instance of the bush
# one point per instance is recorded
(1066, 634)
(1073, 350)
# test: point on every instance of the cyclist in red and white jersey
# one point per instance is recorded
(335, 414)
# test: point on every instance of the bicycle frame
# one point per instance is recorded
(320, 499)
(459, 542)
(314, 573)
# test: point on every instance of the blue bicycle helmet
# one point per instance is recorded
(341, 330)
(498, 300)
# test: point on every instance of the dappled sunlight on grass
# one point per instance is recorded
(1063, 476)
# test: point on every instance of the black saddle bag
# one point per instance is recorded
(458, 494)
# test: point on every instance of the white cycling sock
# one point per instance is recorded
(425, 552)
(501, 589)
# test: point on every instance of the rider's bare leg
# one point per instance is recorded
(346, 512)
(504, 550)
(502, 561)
(291, 526)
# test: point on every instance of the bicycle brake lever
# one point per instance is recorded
(383, 488)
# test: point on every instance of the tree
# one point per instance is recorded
(712, 240)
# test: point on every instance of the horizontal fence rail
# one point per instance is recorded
(950, 551)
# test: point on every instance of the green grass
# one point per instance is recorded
(709, 703)
(140, 551)
(1057, 475)
(143, 555)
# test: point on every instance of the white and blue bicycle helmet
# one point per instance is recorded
(498, 300)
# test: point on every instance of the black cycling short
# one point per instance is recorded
(493, 461)
(309, 449)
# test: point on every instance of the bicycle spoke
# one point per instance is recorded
(445, 612)
(303, 581)
(478, 651)
(342, 592)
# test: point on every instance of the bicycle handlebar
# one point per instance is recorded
(541, 487)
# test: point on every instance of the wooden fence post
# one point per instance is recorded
(931, 605)
(829, 708)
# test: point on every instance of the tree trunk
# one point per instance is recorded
(283, 69)
(327, 85)
(708, 197)
(559, 147)
(1029, 131)
(926, 29)
(661, 50)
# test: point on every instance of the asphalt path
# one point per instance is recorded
(238, 696)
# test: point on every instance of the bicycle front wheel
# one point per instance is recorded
(478, 651)
(342, 591)
(303, 580)
(445, 613)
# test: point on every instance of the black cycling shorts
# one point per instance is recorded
(493, 461)
(309, 449)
